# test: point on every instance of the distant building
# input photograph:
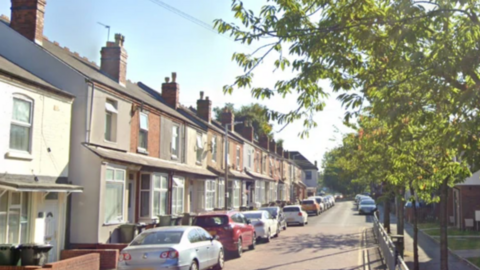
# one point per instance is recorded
(309, 172)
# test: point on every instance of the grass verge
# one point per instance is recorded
(475, 261)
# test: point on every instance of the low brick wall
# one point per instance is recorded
(108, 257)
(119, 247)
(4, 267)
(88, 261)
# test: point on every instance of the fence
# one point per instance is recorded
(389, 251)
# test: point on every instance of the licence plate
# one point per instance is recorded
(213, 233)
(143, 268)
(290, 219)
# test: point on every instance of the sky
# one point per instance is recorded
(159, 41)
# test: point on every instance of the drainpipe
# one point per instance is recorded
(89, 111)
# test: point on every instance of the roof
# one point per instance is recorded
(92, 71)
(258, 175)
(302, 161)
(147, 161)
(21, 186)
(473, 180)
(13, 70)
(232, 173)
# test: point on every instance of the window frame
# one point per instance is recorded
(214, 148)
(199, 149)
(25, 200)
(122, 218)
(175, 140)
(221, 193)
(175, 190)
(113, 112)
(144, 131)
(151, 193)
(237, 157)
(210, 194)
(308, 175)
(22, 124)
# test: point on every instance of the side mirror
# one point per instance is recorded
(248, 221)
(214, 238)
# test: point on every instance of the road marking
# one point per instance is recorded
(360, 250)
(365, 254)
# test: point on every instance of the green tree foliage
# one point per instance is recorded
(256, 113)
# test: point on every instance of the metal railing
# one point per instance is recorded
(389, 251)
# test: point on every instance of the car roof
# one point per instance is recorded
(172, 229)
(292, 206)
(367, 201)
(308, 200)
(217, 213)
(269, 207)
(254, 212)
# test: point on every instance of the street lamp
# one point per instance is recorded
(226, 161)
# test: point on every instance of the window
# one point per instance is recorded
(13, 218)
(271, 166)
(249, 157)
(210, 188)
(110, 120)
(228, 153)
(308, 175)
(194, 236)
(153, 195)
(244, 193)
(21, 125)
(175, 141)
(214, 148)
(114, 195)
(177, 195)
(238, 157)
(234, 192)
(264, 164)
(143, 133)
(199, 148)
(221, 194)
(259, 162)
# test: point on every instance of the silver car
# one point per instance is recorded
(178, 248)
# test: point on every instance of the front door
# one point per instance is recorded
(51, 225)
(131, 198)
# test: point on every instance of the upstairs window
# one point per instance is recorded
(143, 133)
(110, 120)
(249, 157)
(175, 141)
(199, 148)
(214, 148)
(308, 175)
(21, 125)
(238, 157)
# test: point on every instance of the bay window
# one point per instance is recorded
(13, 217)
(178, 192)
(221, 194)
(114, 199)
(210, 188)
(153, 195)
(234, 192)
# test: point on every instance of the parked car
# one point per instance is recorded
(363, 198)
(326, 203)
(235, 232)
(367, 207)
(319, 200)
(311, 206)
(295, 215)
(179, 247)
(277, 212)
(332, 199)
(266, 226)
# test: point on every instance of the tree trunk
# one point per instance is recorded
(416, 266)
(400, 218)
(386, 214)
(443, 225)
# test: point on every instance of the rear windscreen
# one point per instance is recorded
(210, 221)
(307, 202)
(291, 209)
(157, 238)
(253, 215)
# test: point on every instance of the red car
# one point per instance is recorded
(235, 232)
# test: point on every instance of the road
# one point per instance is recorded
(333, 240)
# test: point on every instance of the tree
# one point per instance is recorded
(256, 113)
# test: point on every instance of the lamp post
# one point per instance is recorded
(226, 162)
(292, 189)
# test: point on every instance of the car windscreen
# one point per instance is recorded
(253, 215)
(367, 203)
(291, 209)
(271, 210)
(307, 202)
(158, 238)
(210, 221)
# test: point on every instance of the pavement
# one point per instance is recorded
(337, 239)
(428, 249)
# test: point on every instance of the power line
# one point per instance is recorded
(188, 17)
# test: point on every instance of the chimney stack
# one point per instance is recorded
(263, 141)
(273, 146)
(171, 91)
(316, 164)
(286, 154)
(204, 108)
(228, 118)
(27, 18)
(246, 130)
(280, 150)
(114, 60)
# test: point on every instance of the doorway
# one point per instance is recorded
(131, 197)
(50, 208)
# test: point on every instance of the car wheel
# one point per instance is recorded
(278, 231)
(221, 261)
(303, 224)
(194, 265)
(285, 226)
(239, 251)
(254, 242)
(269, 236)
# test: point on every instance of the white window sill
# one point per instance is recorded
(19, 155)
(142, 151)
(174, 157)
(114, 223)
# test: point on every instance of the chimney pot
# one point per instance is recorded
(207, 98)
(119, 40)
(201, 94)
(27, 18)
(174, 77)
(167, 79)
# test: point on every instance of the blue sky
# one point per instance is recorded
(159, 42)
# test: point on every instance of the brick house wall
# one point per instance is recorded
(219, 147)
(153, 144)
(469, 202)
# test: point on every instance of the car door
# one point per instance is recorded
(212, 249)
(246, 232)
(199, 247)
(272, 223)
